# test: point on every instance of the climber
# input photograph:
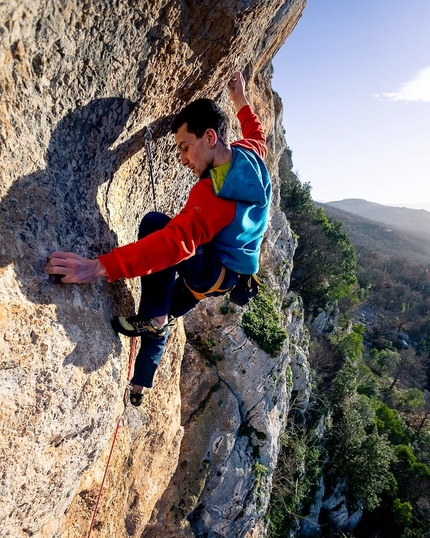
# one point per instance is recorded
(209, 243)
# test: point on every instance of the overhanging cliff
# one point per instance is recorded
(79, 83)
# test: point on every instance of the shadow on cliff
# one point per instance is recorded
(56, 209)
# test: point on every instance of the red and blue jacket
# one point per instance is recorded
(234, 215)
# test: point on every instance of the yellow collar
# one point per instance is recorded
(218, 176)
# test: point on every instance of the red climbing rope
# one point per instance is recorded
(118, 424)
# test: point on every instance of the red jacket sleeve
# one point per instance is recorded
(203, 216)
(252, 131)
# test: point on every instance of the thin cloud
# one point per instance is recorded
(417, 89)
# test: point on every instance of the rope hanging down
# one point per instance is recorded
(148, 138)
(118, 424)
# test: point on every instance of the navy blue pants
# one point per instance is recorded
(166, 293)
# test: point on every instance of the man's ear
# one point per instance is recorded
(211, 137)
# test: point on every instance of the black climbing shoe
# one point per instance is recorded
(136, 398)
(136, 326)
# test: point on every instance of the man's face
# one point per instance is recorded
(196, 153)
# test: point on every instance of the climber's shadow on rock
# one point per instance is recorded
(57, 209)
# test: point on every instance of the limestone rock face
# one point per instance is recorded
(79, 84)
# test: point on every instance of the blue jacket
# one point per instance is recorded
(248, 183)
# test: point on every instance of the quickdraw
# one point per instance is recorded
(148, 137)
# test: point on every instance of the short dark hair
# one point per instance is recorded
(203, 114)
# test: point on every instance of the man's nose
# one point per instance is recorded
(184, 160)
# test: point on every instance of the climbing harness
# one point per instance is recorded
(118, 424)
(241, 293)
(148, 138)
(216, 287)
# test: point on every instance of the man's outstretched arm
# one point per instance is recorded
(252, 130)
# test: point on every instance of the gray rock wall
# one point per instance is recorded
(79, 82)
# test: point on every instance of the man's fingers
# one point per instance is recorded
(236, 84)
(58, 256)
(233, 80)
(59, 263)
(75, 269)
(55, 267)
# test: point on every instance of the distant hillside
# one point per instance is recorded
(412, 206)
(366, 234)
(416, 221)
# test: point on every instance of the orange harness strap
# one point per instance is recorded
(216, 287)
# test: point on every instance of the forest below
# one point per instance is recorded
(371, 373)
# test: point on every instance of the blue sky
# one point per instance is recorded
(354, 78)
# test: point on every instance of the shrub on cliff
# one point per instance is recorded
(262, 322)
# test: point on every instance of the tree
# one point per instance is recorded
(402, 512)
(325, 260)
(403, 366)
(406, 365)
(425, 412)
(360, 455)
(362, 459)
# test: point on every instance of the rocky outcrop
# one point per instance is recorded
(79, 83)
(329, 510)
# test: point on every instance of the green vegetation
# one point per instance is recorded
(296, 479)
(325, 260)
(260, 470)
(370, 381)
(262, 322)
(206, 347)
(360, 455)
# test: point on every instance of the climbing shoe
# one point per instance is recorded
(137, 326)
(136, 398)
